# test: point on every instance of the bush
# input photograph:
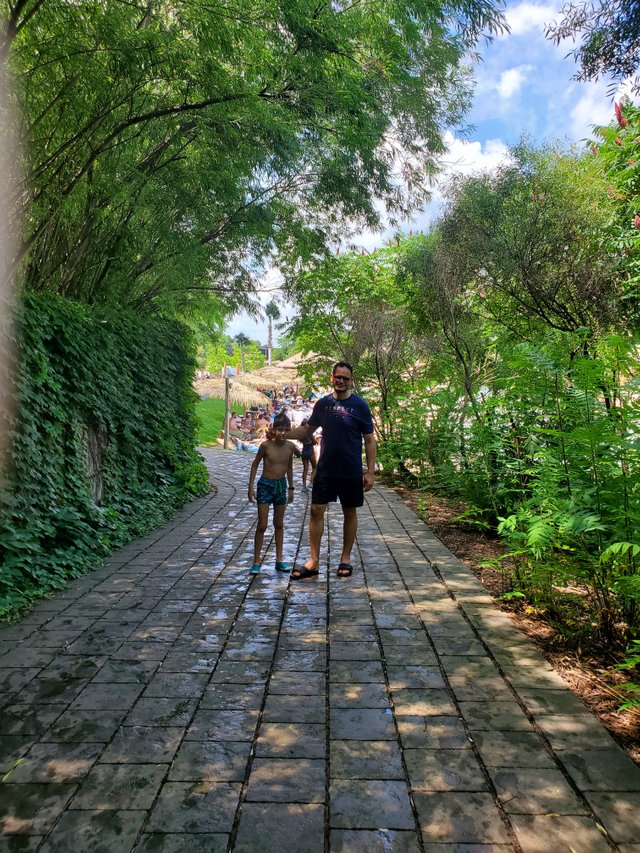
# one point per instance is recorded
(102, 443)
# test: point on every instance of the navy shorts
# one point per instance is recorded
(349, 490)
(307, 451)
(272, 491)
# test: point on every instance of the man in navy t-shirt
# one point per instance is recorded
(346, 421)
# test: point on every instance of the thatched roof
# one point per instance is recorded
(239, 394)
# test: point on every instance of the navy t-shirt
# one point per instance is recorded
(343, 423)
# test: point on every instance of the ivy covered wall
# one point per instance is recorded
(103, 439)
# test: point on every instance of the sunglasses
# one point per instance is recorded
(342, 379)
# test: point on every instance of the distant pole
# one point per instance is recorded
(227, 388)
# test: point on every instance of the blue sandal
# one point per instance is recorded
(283, 567)
(255, 569)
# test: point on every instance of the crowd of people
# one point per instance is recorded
(248, 431)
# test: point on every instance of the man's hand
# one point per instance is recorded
(251, 494)
(367, 481)
(270, 434)
(290, 496)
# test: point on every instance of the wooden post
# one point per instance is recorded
(227, 387)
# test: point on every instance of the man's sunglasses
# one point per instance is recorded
(342, 379)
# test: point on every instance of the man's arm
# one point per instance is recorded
(370, 453)
(290, 479)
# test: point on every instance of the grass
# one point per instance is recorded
(210, 413)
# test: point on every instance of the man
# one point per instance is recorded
(346, 421)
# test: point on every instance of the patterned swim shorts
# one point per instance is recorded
(272, 491)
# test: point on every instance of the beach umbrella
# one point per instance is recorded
(239, 394)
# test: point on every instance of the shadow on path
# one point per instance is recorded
(168, 701)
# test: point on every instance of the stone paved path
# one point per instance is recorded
(169, 702)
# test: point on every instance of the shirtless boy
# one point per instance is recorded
(275, 486)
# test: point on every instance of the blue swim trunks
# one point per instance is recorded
(272, 491)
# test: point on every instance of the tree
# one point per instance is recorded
(243, 341)
(273, 313)
(169, 152)
(610, 32)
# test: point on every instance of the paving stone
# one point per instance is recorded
(291, 780)
(560, 833)
(52, 691)
(230, 696)
(369, 804)
(478, 667)
(174, 711)
(578, 732)
(285, 709)
(223, 725)
(435, 847)
(120, 786)
(56, 762)
(109, 697)
(196, 807)
(155, 842)
(101, 831)
(358, 695)
(601, 770)
(26, 656)
(355, 671)
(467, 645)
(189, 685)
(32, 809)
(66, 666)
(444, 770)
(291, 740)
(12, 749)
(240, 672)
(21, 843)
(272, 828)
(460, 817)
(140, 744)
(401, 677)
(21, 719)
(411, 702)
(512, 749)
(350, 651)
(142, 651)
(619, 812)
(526, 678)
(126, 671)
(358, 759)
(490, 688)
(495, 716)
(541, 702)
(362, 724)
(298, 683)
(81, 725)
(373, 841)
(432, 732)
(533, 791)
(210, 761)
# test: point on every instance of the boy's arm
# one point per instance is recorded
(251, 492)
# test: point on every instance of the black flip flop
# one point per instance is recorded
(301, 574)
(345, 570)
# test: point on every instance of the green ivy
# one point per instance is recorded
(89, 380)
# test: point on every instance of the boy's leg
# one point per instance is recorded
(278, 526)
(305, 470)
(261, 526)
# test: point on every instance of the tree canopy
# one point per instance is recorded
(172, 147)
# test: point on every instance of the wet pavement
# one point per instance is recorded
(168, 701)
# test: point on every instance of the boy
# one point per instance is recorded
(277, 456)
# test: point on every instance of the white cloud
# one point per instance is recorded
(529, 16)
(512, 80)
(593, 107)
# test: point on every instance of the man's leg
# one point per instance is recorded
(349, 529)
(316, 529)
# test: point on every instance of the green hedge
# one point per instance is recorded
(102, 440)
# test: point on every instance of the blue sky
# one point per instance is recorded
(524, 86)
